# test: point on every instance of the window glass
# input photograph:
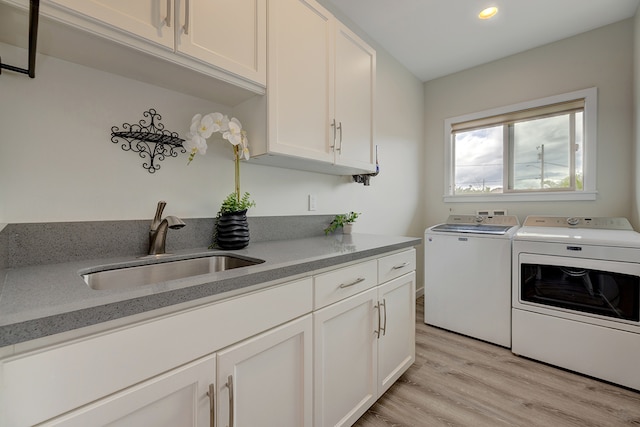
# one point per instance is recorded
(535, 147)
(542, 154)
(478, 159)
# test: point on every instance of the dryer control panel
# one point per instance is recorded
(602, 223)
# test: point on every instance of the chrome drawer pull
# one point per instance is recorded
(230, 387)
(212, 405)
(167, 21)
(333, 125)
(398, 267)
(355, 282)
(185, 27)
(384, 325)
(377, 332)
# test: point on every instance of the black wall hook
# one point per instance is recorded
(34, 13)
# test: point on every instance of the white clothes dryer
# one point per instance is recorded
(576, 295)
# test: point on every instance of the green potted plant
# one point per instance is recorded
(232, 229)
(344, 221)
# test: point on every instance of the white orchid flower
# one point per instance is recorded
(201, 126)
(220, 122)
(195, 143)
(244, 153)
(234, 134)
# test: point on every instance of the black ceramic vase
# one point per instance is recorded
(232, 230)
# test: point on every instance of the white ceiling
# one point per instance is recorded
(433, 38)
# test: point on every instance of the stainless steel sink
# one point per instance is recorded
(130, 277)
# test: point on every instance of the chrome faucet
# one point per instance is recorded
(158, 230)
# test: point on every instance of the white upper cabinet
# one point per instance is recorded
(213, 49)
(320, 94)
(230, 34)
(227, 34)
(151, 20)
(355, 77)
(299, 80)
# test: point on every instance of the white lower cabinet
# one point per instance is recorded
(318, 351)
(178, 398)
(267, 380)
(167, 360)
(364, 342)
(396, 346)
(345, 380)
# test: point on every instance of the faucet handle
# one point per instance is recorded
(158, 217)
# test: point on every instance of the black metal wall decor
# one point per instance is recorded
(34, 13)
(149, 139)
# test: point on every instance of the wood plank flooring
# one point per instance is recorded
(460, 381)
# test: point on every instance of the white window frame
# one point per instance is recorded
(588, 192)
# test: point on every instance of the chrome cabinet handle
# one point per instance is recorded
(185, 27)
(377, 332)
(212, 405)
(340, 129)
(167, 20)
(384, 325)
(230, 387)
(333, 126)
(355, 282)
(399, 266)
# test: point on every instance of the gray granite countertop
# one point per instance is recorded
(42, 300)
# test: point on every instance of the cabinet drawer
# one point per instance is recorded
(396, 265)
(339, 284)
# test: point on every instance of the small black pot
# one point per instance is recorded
(232, 230)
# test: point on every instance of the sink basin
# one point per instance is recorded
(130, 277)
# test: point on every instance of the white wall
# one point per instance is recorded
(601, 58)
(57, 161)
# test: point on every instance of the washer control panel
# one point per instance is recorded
(504, 220)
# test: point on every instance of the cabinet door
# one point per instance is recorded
(229, 34)
(300, 81)
(177, 398)
(396, 346)
(345, 365)
(144, 18)
(267, 380)
(355, 71)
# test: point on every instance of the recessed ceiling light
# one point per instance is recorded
(488, 13)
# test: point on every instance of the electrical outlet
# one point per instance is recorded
(313, 202)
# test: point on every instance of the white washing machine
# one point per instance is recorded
(468, 276)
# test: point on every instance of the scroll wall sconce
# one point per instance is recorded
(149, 139)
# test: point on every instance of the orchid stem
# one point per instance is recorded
(236, 156)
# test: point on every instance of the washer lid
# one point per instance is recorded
(472, 228)
(478, 224)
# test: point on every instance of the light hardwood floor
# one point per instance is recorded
(460, 381)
